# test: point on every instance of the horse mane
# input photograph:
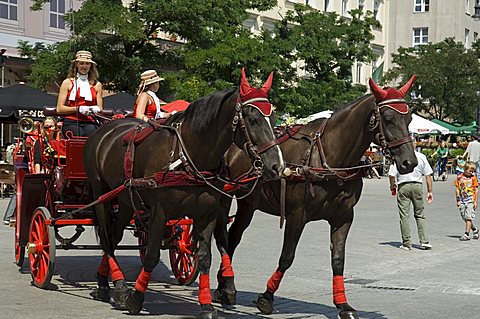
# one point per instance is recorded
(204, 110)
(342, 108)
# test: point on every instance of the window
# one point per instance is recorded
(361, 5)
(326, 5)
(8, 9)
(358, 78)
(467, 6)
(57, 14)
(475, 36)
(344, 7)
(376, 7)
(420, 36)
(421, 5)
(467, 35)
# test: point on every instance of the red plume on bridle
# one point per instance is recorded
(248, 93)
(392, 94)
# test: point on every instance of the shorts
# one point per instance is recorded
(467, 211)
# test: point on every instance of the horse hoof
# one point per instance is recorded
(120, 294)
(265, 303)
(346, 312)
(225, 298)
(208, 312)
(134, 302)
(102, 294)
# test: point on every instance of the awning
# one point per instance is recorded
(456, 128)
(119, 101)
(21, 100)
(421, 125)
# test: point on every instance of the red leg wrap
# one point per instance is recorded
(115, 270)
(338, 290)
(227, 270)
(103, 269)
(274, 281)
(143, 279)
(204, 295)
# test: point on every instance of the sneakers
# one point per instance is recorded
(405, 247)
(475, 233)
(464, 237)
(426, 246)
(6, 222)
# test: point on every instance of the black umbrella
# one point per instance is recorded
(119, 101)
(21, 100)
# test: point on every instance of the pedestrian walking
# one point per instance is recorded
(466, 191)
(409, 189)
(472, 153)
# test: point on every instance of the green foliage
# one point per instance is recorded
(447, 78)
(328, 45)
(324, 46)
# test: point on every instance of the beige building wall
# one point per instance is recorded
(444, 18)
(18, 22)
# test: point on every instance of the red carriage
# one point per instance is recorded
(59, 197)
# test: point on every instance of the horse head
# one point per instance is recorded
(256, 110)
(394, 115)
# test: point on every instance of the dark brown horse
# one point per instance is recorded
(203, 133)
(325, 184)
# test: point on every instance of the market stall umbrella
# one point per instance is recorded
(21, 100)
(420, 125)
(456, 128)
(119, 101)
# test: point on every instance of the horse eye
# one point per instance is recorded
(388, 119)
(253, 121)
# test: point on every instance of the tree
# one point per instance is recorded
(327, 45)
(447, 79)
(119, 38)
(217, 46)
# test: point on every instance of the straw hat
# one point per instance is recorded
(150, 76)
(84, 56)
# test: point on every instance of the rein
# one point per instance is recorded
(375, 122)
(238, 122)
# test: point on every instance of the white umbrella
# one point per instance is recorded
(420, 125)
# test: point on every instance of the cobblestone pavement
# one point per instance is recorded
(382, 281)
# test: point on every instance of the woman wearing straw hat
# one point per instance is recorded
(80, 96)
(147, 105)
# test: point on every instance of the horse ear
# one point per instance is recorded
(377, 91)
(268, 83)
(245, 87)
(403, 91)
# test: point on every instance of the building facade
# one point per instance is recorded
(417, 22)
(18, 22)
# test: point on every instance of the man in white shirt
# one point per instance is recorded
(410, 189)
(473, 154)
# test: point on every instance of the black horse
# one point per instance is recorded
(203, 133)
(325, 184)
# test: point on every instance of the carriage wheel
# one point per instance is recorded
(436, 171)
(182, 255)
(41, 248)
